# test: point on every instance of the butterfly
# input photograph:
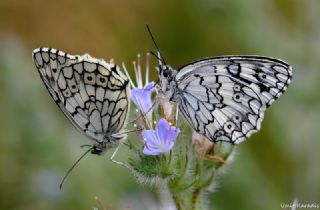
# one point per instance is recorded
(224, 98)
(93, 94)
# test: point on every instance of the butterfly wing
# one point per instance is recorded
(93, 94)
(224, 98)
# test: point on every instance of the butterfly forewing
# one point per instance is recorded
(224, 98)
(92, 93)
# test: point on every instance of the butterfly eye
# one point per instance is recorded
(97, 151)
(166, 72)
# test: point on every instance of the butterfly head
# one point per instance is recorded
(166, 77)
(99, 148)
(165, 72)
(106, 142)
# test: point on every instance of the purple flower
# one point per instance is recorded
(160, 140)
(141, 95)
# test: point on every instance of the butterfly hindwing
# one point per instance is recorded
(93, 94)
(224, 98)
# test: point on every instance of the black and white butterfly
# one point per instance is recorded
(93, 94)
(224, 98)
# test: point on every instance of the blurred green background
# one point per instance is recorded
(38, 144)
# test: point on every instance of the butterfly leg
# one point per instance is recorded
(142, 115)
(131, 131)
(119, 162)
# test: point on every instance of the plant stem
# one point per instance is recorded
(195, 196)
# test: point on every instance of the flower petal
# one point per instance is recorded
(148, 151)
(149, 86)
(150, 136)
(168, 147)
(160, 140)
(162, 130)
(142, 99)
(173, 134)
(151, 142)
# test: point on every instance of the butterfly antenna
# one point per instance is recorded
(74, 165)
(155, 44)
(157, 57)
